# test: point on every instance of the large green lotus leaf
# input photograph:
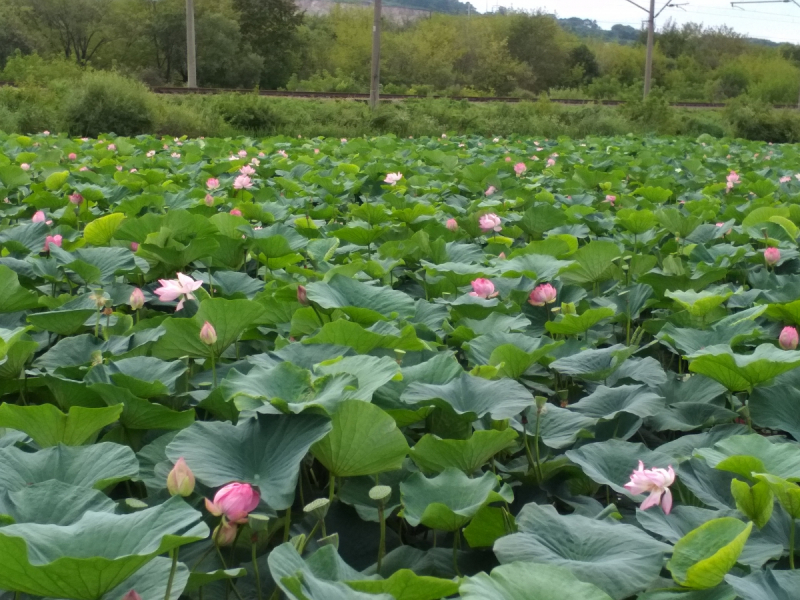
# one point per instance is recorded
(473, 396)
(755, 502)
(373, 303)
(97, 466)
(151, 581)
(612, 462)
(265, 451)
(559, 427)
(440, 369)
(684, 446)
(25, 238)
(788, 312)
(721, 592)
(85, 560)
(62, 322)
(688, 416)
(619, 559)
(746, 454)
(364, 440)
(448, 501)
(529, 581)
(481, 349)
(284, 384)
(355, 492)
(732, 330)
(97, 264)
(100, 231)
(13, 176)
(776, 407)
(52, 502)
(370, 371)
(766, 585)
(594, 263)
(197, 579)
(346, 333)
(743, 372)
(433, 454)
(230, 318)
(139, 413)
(575, 324)
(704, 556)
(48, 426)
(144, 376)
(407, 585)
(488, 525)
(699, 304)
(607, 403)
(594, 365)
(14, 297)
(787, 493)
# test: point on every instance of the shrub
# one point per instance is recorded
(246, 112)
(106, 102)
(8, 120)
(754, 120)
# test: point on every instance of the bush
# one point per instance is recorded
(754, 120)
(106, 102)
(8, 120)
(246, 112)
(179, 117)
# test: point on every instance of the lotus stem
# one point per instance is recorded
(382, 542)
(171, 573)
(456, 546)
(332, 488)
(255, 565)
(213, 373)
(791, 544)
(287, 524)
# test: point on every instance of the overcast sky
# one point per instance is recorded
(779, 22)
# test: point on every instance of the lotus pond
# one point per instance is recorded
(496, 369)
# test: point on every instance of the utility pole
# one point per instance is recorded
(375, 78)
(795, 2)
(651, 35)
(191, 51)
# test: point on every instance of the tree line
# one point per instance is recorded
(272, 44)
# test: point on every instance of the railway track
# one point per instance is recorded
(397, 97)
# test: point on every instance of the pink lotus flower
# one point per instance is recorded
(236, 212)
(260, 154)
(502, 256)
(656, 482)
(452, 224)
(785, 179)
(242, 182)
(209, 200)
(119, 167)
(302, 295)
(45, 133)
(508, 159)
(225, 534)
(38, 217)
(733, 179)
(52, 239)
(551, 162)
(720, 224)
(444, 135)
(788, 338)
(150, 153)
(235, 501)
(111, 147)
(136, 301)
(247, 170)
(610, 198)
(242, 153)
(495, 140)
(490, 222)
(180, 481)
(316, 150)
(76, 198)
(482, 288)
(520, 168)
(175, 155)
(490, 190)
(212, 183)
(132, 595)
(393, 178)
(72, 156)
(255, 162)
(134, 246)
(83, 169)
(542, 294)
(25, 167)
(343, 140)
(208, 335)
(134, 171)
(772, 255)
(283, 153)
(172, 289)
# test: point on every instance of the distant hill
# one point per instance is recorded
(622, 34)
(453, 7)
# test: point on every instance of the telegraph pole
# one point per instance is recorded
(191, 52)
(795, 2)
(375, 77)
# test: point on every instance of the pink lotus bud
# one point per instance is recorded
(610, 198)
(490, 190)
(52, 239)
(302, 297)
(242, 153)
(212, 183)
(209, 200)
(76, 198)
(132, 595)
(393, 178)
(316, 150)
(542, 294)
(785, 179)
(482, 288)
(452, 224)
(39, 217)
(225, 534)
(772, 255)
(72, 156)
(502, 256)
(180, 481)
(551, 162)
(520, 168)
(235, 501)
(25, 167)
(788, 338)
(45, 133)
(656, 482)
(134, 246)
(136, 301)
(236, 212)
(490, 222)
(208, 335)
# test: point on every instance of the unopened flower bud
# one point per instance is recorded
(208, 335)
(180, 481)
